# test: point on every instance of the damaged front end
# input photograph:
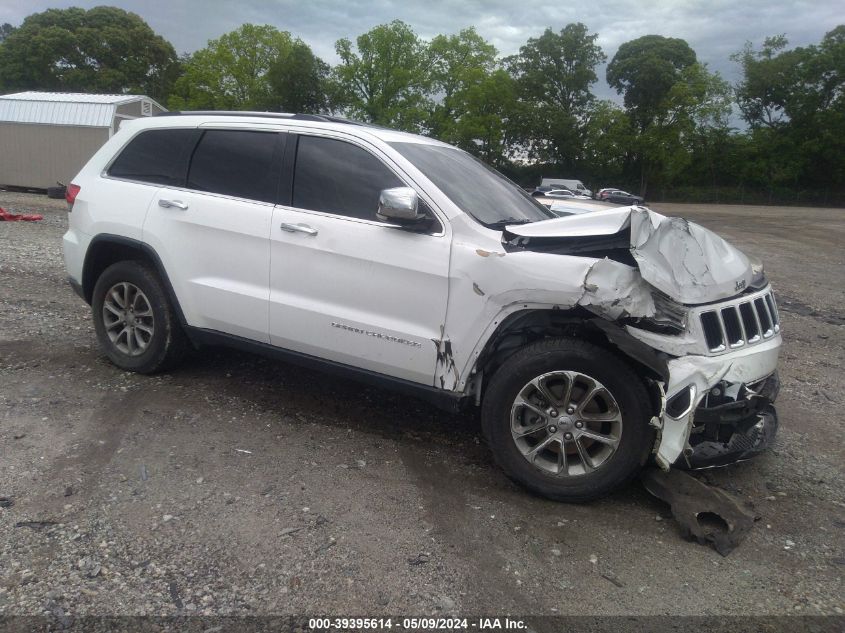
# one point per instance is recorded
(733, 422)
(700, 304)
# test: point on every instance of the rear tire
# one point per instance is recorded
(136, 325)
(568, 420)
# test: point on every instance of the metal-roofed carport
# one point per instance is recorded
(47, 137)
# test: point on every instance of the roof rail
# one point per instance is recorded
(272, 115)
(275, 115)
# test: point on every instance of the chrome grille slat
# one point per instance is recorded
(732, 327)
(748, 321)
(765, 318)
(773, 310)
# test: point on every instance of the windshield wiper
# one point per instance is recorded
(500, 224)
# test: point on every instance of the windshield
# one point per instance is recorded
(477, 189)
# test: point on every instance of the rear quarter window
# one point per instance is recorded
(156, 156)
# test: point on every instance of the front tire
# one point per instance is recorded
(135, 323)
(568, 420)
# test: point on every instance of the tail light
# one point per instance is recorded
(70, 195)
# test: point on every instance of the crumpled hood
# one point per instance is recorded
(682, 259)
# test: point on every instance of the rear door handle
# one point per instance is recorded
(176, 204)
(298, 228)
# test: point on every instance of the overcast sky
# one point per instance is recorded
(714, 28)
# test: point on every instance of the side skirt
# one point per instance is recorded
(445, 400)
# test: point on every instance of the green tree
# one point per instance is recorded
(645, 70)
(554, 74)
(459, 64)
(485, 115)
(794, 103)
(299, 81)
(768, 77)
(385, 77)
(104, 49)
(609, 143)
(668, 95)
(6, 30)
(233, 71)
(697, 103)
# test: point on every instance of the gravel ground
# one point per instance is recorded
(238, 485)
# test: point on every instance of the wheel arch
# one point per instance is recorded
(527, 326)
(106, 249)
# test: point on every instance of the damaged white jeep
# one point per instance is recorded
(592, 343)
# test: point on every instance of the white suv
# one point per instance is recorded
(591, 342)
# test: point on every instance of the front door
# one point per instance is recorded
(345, 286)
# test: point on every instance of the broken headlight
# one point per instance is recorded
(670, 317)
(758, 274)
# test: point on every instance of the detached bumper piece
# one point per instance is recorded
(734, 422)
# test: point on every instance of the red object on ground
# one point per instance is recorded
(5, 216)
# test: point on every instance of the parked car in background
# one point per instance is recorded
(573, 185)
(602, 193)
(618, 196)
(565, 193)
(542, 191)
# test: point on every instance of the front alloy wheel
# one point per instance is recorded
(566, 423)
(554, 414)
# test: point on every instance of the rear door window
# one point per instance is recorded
(243, 164)
(338, 177)
(156, 156)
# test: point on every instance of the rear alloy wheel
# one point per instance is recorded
(136, 325)
(568, 419)
(128, 318)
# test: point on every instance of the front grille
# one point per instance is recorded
(743, 322)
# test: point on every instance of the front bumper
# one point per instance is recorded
(733, 423)
(692, 380)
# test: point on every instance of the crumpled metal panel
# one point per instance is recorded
(685, 261)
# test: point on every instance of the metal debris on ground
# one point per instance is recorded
(420, 559)
(705, 514)
(6, 502)
(289, 530)
(612, 579)
(173, 590)
(36, 525)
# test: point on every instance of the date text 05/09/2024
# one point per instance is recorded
(416, 624)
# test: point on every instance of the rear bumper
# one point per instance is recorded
(77, 288)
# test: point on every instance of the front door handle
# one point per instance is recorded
(298, 228)
(175, 204)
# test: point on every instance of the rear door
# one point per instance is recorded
(345, 286)
(212, 233)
